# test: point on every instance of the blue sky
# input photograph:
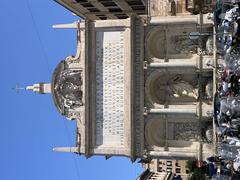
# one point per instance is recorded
(30, 124)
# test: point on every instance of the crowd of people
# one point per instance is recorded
(227, 97)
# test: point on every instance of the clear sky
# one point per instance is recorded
(30, 124)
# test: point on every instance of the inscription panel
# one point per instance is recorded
(109, 129)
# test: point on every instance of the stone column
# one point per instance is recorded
(173, 65)
(168, 154)
(173, 111)
(175, 19)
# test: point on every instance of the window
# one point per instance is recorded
(178, 170)
(107, 4)
(93, 10)
(99, 15)
(81, 1)
(169, 169)
(138, 7)
(103, 18)
(115, 9)
(159, 169)
(134, 3)
(87, 5)
(121, 16)
(169, 163)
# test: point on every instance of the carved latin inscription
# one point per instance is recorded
(109, 88)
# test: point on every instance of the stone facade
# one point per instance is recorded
(138, 87)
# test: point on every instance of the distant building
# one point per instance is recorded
(105, 9)
(161, 169)
(149, 175)
(203, 6)
(169, 165)
(122, 9)
(179, 7)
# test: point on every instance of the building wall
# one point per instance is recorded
(174, 166)
(163, 167)
(105, 9)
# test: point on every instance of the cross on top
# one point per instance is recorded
(17, 88)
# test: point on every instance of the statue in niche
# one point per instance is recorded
(186, 131)
(172, 7)
(184, 45)
(179, 88)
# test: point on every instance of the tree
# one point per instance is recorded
(198, 174)
(191, 165)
